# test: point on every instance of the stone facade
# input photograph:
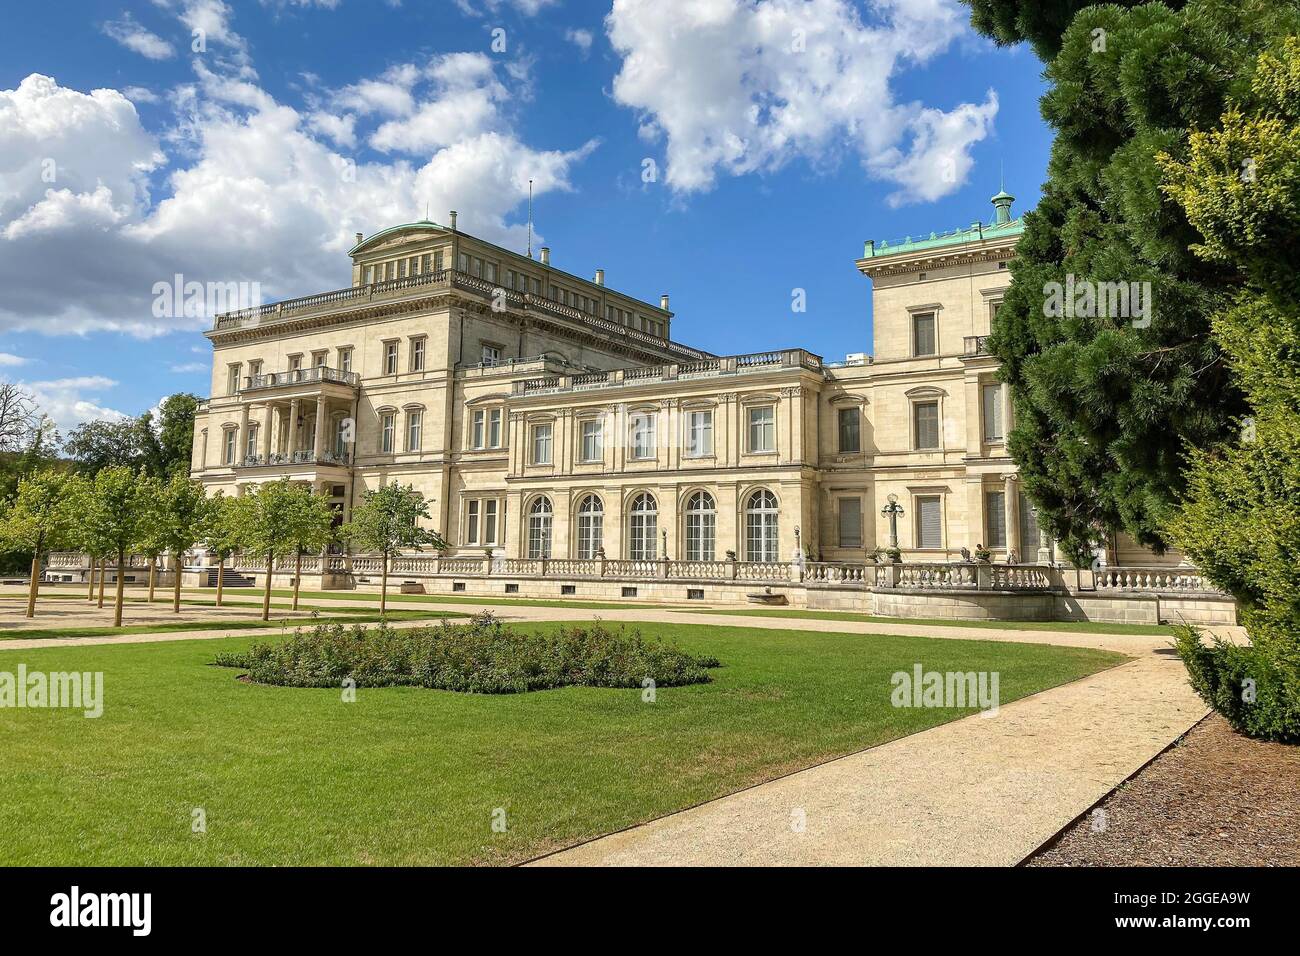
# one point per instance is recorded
(548, 416)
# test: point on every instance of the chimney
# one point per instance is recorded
(600, 277)
(546, 255)
(663, 302)
(453, 220)
(360, 236)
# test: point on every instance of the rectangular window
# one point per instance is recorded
(643, 436)
(929, 522)
(926, 424)
(390, 358)
(414, 422)
(471, 523)
(232, 379)
(542, 444)
(850, 522)
(437, 261)
(995, 519)
(477, 431)
(401, 268)
(345, 360)
(387, 430)
(850, 422)
(490, 521)
(295, 363)
(699, 434)
(491, 355)
(368, 275)
(426, 264)
(923, 334)
(993, 413)
(417, 354)
(413, 265)
(476, 267)
(762, 429)
(250, 446)
(462, 262)
(490, 271)
(255, 368)
(593, 444)
(228, 453)
(320, 359)
(1030, 537)
(568, 589)
(494, 428)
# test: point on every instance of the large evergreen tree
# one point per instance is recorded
(1105, 408)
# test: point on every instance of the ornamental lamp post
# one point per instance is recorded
(892, 511)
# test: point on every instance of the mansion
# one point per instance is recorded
(547, 416)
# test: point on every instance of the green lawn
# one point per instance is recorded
(1087, 627)
(413, 776)
(338, 616)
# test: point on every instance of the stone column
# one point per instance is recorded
(1011, 502)
(295, 408)
(241, 443)
(267, 426)
(322, 422)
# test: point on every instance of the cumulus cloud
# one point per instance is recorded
(582, 39)
(735, 87)
(251, 189)
(135, 37)
(72, 401)
(8, 359)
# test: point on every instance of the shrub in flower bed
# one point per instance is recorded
(481, 657)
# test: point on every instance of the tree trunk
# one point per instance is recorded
(35, 582)
(153, 571)
(90, 591)
(221, 574)
(121, 576)
(297, 577)
(266, 593)
(103, 573)
(383, 587)
(176, 586)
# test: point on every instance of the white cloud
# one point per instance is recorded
(529, 8)
(740, 87)
(340, 129)
(187, 368)
(72, 401)
(580, 38)
(141, 94)
(8, 359)
(135, 37)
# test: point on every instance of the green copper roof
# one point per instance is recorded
(977, 232)
(422, 224)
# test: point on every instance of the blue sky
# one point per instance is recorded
(782, 133)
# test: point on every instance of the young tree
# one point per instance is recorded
(1240, 519)
(178, 518)
(313, 529)
(388, 521)
(1105, 406)
(151, 544)
(221, 534)
(269, 521)
(113, 513)
(38, 520)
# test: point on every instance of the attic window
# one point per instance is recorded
(922, 276)
(1002, 264)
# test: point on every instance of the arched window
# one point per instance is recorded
(539, 529)
(701, 527)
(591, 527)
(643, 528)
(760, 527)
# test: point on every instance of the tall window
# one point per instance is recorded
(542, 435)
(490, 521)
(699, 434)
(250, 446)
(417, 354)
(643, 435)
(995, 519)
(701, 527)
(320, 359)
(593, 444)
(390, 358)
(539, 529)
(232, 379)
(477, 430)
(494, 428)
(993, 413)
(341, 434)
(472, 522)
(929, 522)
(231, 437)
(850, 428)
(387, 432)
(591, 527)
(850, 522)
(345, 360)
(762, 429)
(761, 527)
(925, 416)
(643, 528)
(924, 341)
(414, 423)
(491, 355)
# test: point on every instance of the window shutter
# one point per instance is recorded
(928, 521)
(850, 522)
(995, 515)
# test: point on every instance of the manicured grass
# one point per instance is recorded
(360, 615)
(1087, 627)
(414, 776)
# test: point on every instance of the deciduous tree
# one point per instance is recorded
(39, 519)
(388, 521)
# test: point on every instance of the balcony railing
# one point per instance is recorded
(977, 345)
(434, 281)
(301, 376)
(705, 368)
(307, 457)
